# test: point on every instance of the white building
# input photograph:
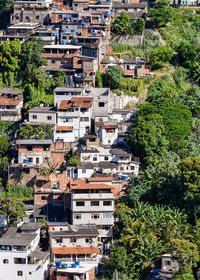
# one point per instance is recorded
(93, 203)
(73, 118)
(20, 255)
(11, 103)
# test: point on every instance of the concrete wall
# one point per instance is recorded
(79, 241)
(42, 117)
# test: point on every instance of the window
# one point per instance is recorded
(77, 216)
(94, 158)
(107, 203)
(73, 240)
(19, 261)
(84, 119)
(84, 171)
(88, 240)
(19, 273)
(107, 215)
(59, 240)
(27, 18)
(53, 61)
(106, 158)
(121, 168)
(101, 104)
(5, 261)
(132, 167)
(94, 203)
(43, 197)
(17, 17)
(49, 118)
(80, 203)
(106, 227)
(29, 148)
(37, 160)
(167, 263)
(34, 117)
(37, 17)
(100, 119)
(95, 216)
(60, 16)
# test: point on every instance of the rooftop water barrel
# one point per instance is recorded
(84, 25)
(125, 177)
(64, 265)
(66, 18)
(94, 34)
(63, 42)
(73, 31)
(107, 12)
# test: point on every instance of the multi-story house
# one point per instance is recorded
(74, 251)
(132, 67)
(11, 103)
(33, 156)
(74, 118)
(106, 161)
(93, 203)
(20, 254)
(37, 11)
(42, 115)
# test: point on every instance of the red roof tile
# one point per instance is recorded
(88, 186)
(109, 126)
(100, 179)
(64, 128)
(4, 101)
(75, 250)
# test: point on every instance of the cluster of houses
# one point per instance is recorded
(88, 123)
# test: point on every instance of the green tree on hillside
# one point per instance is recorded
(161, 13)
(112, 77)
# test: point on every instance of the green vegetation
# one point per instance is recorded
(144, 232)
(161, 13)
(19, 192)
(160, 57)
(13, 209)
(40, 132)
(21, 67)
(123, 25)
(72, 160)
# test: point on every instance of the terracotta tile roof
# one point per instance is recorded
(89, 186)
(75, 250)
(65, 104)
(110, 126)
(4, 101)
(83, 102)
(64, 128)
(100, 179)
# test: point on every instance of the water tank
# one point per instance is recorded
(107, 12)
(63, 42)
(56, 34)
(66, 18)
(72, 19)
(84, 25)
(73, 30)
(94, 34)
(64, 265)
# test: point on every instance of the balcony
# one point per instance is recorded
(84, 196)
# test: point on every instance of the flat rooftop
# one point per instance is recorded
(43, 109)
(14, 236)
(80, 269)
(67, 47)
